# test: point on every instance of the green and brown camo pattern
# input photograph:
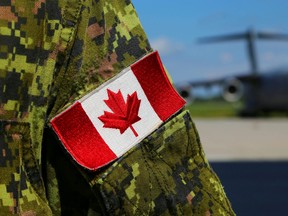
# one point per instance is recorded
(51, 53)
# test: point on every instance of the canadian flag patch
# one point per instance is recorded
(106, 123)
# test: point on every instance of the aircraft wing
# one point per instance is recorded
(220, 81)
(232, 86)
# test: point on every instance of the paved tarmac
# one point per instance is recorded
(250, 156)
(255, 188)
(244, 139)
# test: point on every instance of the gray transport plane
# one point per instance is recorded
(261, 92)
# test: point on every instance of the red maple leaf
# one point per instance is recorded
(123, 114)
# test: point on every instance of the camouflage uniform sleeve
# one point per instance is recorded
(55, 52)
(167, 173)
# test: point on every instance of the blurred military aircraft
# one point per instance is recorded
(264, 92)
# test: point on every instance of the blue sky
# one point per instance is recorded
(174, 27)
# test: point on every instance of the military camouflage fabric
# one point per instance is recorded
(53, 52)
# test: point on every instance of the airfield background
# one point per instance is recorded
(250, 155)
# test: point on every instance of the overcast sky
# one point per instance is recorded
(173, 28)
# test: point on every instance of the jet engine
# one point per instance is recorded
(186, 92)
(232, 90)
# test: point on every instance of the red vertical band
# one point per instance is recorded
(153, 79)
(81, 139)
